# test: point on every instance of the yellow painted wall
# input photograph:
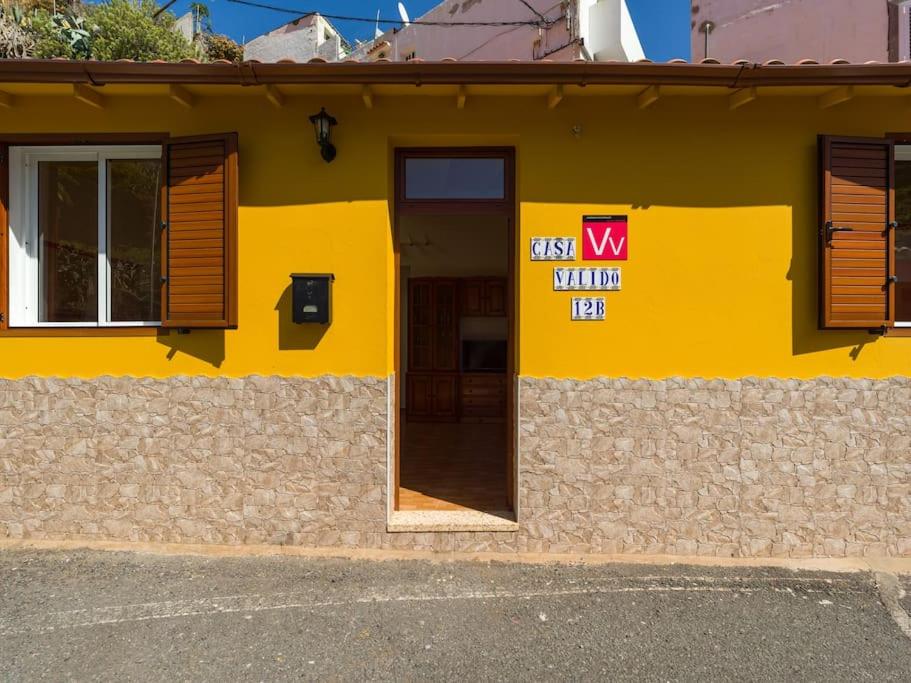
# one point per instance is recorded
(721, 280)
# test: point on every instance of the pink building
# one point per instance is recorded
(558, 30)
(792, 30)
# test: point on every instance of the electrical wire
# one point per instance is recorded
(534, 11)
(400, 22)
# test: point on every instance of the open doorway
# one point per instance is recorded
(455, 337)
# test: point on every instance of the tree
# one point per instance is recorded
(221, 47)
(128, 30)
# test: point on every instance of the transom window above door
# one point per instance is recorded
(430, 176)
(85, 236)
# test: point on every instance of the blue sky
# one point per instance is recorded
(663, 25)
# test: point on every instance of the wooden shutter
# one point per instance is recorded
(199, 287)
(856, 235)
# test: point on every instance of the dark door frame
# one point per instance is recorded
(505, 207)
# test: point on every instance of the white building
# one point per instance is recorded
(303, 39)
(601, 30)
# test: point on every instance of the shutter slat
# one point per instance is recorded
(201, 149)
(854, 265)
(200, 249)
(199, 197)
(191, 184)
(185, 179)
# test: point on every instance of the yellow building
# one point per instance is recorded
(582, 307)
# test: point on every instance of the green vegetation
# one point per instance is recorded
(113, 29)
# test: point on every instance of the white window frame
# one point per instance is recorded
(903, 153)
(23, 228)
(904, 31)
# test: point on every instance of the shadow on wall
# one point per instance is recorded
(293, 336)
(804, 277)
(206, 345)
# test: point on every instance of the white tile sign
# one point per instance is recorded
(588, 308)
(581, 279)
(553, 248)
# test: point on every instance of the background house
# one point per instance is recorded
(560, 31)
(300, 40)
(791, 30)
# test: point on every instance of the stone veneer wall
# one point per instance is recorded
(753, 467)
(194, 459)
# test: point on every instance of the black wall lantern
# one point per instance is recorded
(322, 126)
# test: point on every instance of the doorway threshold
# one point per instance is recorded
(451, 520)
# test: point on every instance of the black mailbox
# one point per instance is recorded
(311, 297)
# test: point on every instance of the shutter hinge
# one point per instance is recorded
(2, 317)
(891, 278)
(164, 279)
(164, 225)
(881, 331)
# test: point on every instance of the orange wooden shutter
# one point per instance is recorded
(856, 235)
(200, 261)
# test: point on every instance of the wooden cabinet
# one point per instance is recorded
(432, 397)
(445, 396)
(419, 395)
(433, 349)
(435, 390)
(484, 297)
(483, 396)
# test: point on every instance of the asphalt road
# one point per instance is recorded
(119, 616)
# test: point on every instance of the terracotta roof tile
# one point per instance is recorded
(447, 60)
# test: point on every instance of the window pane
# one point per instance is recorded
(903, 234)
(68, 234)
(437, 178)
(134, 250)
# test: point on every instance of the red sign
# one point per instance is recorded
(604, 238)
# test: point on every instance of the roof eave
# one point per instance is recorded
(452, 72)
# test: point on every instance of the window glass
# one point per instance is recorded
(68, 241)
(455, 178)
(134, 249)
(903, 234)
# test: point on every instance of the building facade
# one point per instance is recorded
(746, 393)
(311, 36)
(856, 31)
(601, 30)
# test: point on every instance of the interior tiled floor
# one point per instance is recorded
(453, 466)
